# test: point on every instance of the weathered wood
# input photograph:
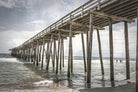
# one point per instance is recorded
(71, 57)
(43, 53)
(117, 10)
(113, 17)
(83, 25)
(29, 54)
(34, 55)
(49, 52)
(57, 57)
(54, 54)
(70, 52)
(90, 34)
(37, 54)
(67, 31)
(87, 43)
(100, 52)
(61, 55)
(127, 50)
(122, 10)
(137, 56)
(40, 53)
(111, 50)
(83, 49)
(63, 51)
(63, 35)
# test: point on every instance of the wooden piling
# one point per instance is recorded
(49, 52)
(90, 34)
(100, 52)
(83, 49)
(34, 55)
(111, 50)
(54, 54)
(43, 51)
(57, 57)
(40, 52)
(37, 53)
(70, 51)
(127, 50)
(63, 51)
(137, 56)
(87, 43)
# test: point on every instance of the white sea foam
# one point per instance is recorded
(43, 83)
(120, 76)
(133, 77)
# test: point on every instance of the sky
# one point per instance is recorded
(22, 19)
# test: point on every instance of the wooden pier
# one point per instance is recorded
(95, 14)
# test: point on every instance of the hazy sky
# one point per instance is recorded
(21, 19)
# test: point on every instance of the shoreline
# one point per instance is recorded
(130, 87)
(36, 79)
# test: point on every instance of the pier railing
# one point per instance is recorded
(92, 4)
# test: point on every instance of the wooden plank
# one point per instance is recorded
(111, 50)
(67, 31)
(100, 52)
(83, 25)
(90, 34)
(83, 49)
(127, 50)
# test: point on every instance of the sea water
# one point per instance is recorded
(19, 75)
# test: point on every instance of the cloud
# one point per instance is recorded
(38, 22)
(13, 38)
(2, 27)
(18, 3)
(7, 3)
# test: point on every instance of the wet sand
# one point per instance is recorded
(131, 87)
(123, 88)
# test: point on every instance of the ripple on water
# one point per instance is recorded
(15, 74)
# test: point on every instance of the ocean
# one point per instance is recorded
(17, 75)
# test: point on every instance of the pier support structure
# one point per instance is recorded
(100, 52)
(70, 67)
(83, 49)
(43, 52)
(89, 48)
(137, 55)
(127, 50)
(95, 14)
(111, 50)
(57, 56)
